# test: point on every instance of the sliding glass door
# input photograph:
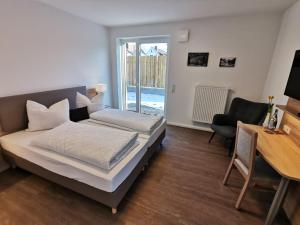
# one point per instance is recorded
(143, 72)
(130, 77)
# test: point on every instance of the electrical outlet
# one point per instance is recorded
(287, 129)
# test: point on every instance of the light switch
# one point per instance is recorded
(173, 88)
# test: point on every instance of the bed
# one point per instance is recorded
(108, 188)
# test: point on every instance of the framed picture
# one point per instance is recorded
(198, 59)
(227, 62)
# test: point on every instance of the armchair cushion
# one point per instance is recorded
(224, 120)
(225, 131)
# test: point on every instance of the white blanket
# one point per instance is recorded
(135, 121)
(103, 147)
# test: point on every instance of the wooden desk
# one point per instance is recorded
(283, 154)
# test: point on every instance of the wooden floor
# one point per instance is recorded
(181, 186)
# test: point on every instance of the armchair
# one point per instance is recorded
(240, 110)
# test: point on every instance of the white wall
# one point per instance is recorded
(42, 48)
(288, 42)
(250, 38)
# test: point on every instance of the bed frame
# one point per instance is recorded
(13, 118)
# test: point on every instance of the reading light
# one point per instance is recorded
(101, 88)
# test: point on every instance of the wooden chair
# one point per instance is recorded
(253, 168)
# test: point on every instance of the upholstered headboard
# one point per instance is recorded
(13, 115)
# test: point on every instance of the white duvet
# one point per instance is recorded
(135, 121)
(103, 147)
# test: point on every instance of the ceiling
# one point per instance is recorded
(130, 12)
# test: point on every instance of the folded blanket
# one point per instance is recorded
(103, 147)
(138, 122)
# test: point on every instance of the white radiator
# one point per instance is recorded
(208, 102)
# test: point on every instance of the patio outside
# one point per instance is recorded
(152, 100)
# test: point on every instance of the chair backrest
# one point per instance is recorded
(247, 111)
(245, 147)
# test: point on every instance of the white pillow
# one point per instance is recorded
(93, 105)
(42, 118)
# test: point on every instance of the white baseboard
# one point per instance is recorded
(190, 126)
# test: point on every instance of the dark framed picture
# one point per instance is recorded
(227, 62)
(198, 59)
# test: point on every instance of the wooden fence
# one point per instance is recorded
(153, 71)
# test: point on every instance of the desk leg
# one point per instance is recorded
(278, 200)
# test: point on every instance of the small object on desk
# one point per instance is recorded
(273, 121)
(270, 131)
(270, 110)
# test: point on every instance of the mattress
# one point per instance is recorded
(19, 144)
(150, 138)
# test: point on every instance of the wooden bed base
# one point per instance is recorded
(111, 199)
